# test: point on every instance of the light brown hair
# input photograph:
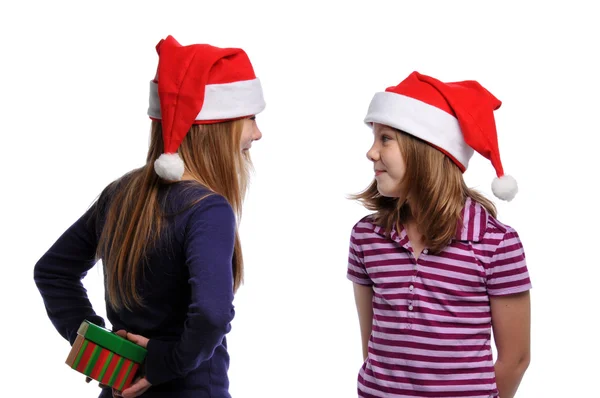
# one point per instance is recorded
(436, 194)
(134, 220)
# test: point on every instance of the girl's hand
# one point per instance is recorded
(140, 385)
(136, 389)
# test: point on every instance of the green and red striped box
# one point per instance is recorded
(105, 357)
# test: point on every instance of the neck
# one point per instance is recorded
(412, 229)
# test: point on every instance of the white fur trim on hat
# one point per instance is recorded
(505, 187)
(221, 101)
(420, 120)
(169, 166)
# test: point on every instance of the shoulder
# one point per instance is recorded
(189, 195)
(501, 240)
(505, 260)
(365, 231)
(480, 227)
(211, 201)
(210, 219)
(208, 207)
(365, 225)
(478, 224)
(497, 230)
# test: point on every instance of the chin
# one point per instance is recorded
(388, 193)
(385, 193)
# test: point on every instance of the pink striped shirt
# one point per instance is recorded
(431, 317)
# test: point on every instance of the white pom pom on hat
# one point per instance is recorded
(457, 118)
(198, 84)
(169, 166)
(505, 187)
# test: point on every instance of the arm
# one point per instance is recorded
(508, 287)
(511, 325)
(209, 243)
(59, 272)
(363, 289)
(363, 296)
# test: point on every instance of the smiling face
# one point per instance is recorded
(250, 133)
(388, 162)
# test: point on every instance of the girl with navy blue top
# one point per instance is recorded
(166, 233)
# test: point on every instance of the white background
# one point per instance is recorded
(74, 94)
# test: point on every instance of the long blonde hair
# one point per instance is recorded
(134, 221)
(436, 193)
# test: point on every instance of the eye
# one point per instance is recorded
(253, 118)
(385, 138)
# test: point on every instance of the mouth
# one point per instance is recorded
(379, 172)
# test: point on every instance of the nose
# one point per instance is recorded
(257, 134)
(373, 154)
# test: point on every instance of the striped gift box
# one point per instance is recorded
(105, 357)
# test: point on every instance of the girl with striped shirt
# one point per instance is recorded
(434, 271)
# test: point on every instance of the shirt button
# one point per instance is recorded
(410, 307)
(411, 288)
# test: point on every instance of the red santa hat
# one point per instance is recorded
(198, 84)
(456, 118)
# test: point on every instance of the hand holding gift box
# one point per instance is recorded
(105, 356)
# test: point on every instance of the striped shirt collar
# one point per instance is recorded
(471, 228)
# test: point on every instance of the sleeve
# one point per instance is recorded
(507, 271)
(209, 244)
(357, 271)
(58, 274)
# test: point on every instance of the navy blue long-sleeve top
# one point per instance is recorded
(187, 288)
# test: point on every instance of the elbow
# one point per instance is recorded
(523, 359)
(41, 267)
(211, 321)
(42, 274)
(217, 316)
(517, 362)
(221, 322)
(524, 362)
(38, 273)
